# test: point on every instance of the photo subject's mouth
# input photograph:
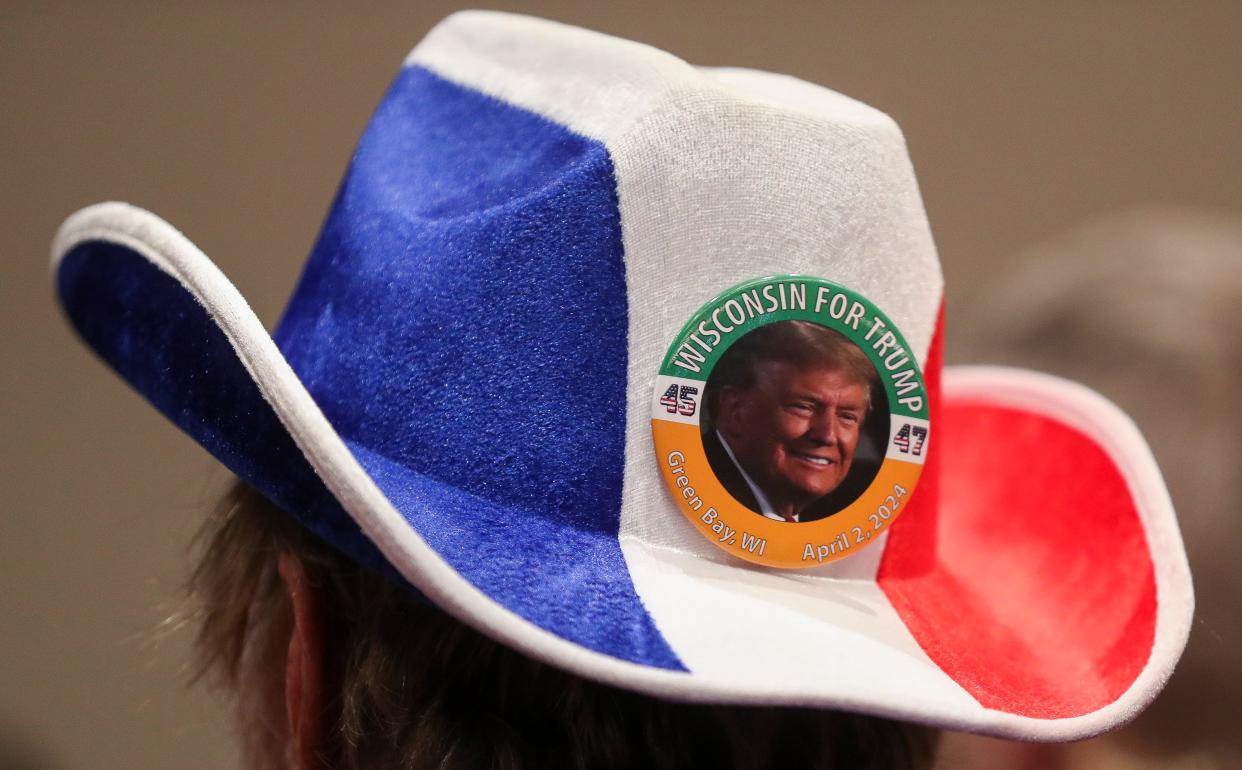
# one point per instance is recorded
(816, 461)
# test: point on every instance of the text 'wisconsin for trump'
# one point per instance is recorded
(785, 296)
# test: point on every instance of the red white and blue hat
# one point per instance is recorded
(460, 394)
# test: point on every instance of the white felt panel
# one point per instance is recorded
(749, 626)
(723, 175)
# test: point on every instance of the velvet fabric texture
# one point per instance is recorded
(140, 321)
(462, 324)
(466, 363)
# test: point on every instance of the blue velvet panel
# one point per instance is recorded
(162, 342)
(462, 322)
(470, 287)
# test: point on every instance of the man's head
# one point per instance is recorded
(790, 398)
(335, 666)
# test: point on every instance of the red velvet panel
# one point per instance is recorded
(1039, 599)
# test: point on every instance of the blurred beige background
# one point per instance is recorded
(234, 123)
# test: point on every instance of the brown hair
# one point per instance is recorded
(802, 343)
(417, 689)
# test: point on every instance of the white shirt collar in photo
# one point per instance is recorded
(765, 507)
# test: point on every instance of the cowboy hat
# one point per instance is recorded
(468, 391)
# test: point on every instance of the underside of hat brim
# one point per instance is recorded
(1049, 600)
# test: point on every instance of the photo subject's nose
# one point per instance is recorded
(823, 428)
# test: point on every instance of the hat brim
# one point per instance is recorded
(1046, 597)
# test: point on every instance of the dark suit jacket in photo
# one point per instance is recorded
(730, 476)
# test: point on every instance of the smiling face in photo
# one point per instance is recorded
(795, 429)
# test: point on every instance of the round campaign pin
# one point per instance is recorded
(790, 421)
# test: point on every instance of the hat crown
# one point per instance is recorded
(463, 312)
(532, 214)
